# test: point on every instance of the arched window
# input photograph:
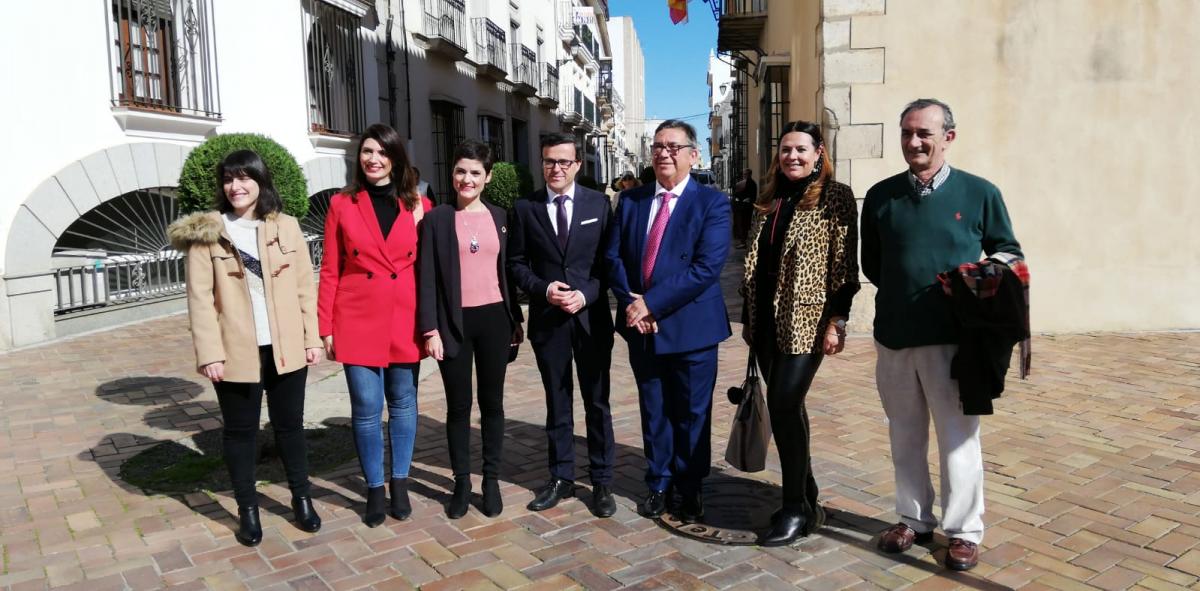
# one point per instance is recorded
(118, 252)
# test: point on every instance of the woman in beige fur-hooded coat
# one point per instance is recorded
(252, 307)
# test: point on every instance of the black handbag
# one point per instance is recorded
(751, 432)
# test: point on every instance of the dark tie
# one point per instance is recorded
(559, 203)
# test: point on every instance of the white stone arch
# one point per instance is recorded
(326, 172)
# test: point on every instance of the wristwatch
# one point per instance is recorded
(841, 325)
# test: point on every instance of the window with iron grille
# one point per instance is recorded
(333, 56)
(448, 131)
(774, 112)
(161, 56)
(739, 121)
(491, 131)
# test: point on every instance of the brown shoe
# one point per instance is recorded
(900, 537)
(962, 555)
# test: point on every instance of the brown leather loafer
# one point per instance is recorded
(900, 537)
(962, 555)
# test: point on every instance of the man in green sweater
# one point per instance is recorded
(921, 222)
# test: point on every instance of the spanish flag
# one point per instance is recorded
(678, 11)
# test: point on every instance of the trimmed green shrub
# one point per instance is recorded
(198, 180)
(505, 187)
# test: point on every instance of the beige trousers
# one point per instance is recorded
(913, 384)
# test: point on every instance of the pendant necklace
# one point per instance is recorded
(474, 245)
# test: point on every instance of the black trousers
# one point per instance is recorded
(241, 408)
(788, 379)
(485, 344)
(593, 358)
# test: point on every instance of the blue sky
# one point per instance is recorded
(676, 59)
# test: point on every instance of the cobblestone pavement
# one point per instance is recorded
(1091, 482)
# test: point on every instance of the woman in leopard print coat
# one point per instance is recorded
(801, 276)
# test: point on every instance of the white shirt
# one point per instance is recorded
(568, 205)
(245, 238)
(658, 191)
(552, 209)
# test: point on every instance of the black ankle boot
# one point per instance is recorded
(492, 503)
(401, 508)
(461, 499)
(374, 514)
(249, 527)
(787, 526)
(306, 516)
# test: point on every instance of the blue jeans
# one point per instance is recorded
(369, 386)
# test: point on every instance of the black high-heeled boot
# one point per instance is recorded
(249, 527)
(461, 499)
(492, 503)
(375, 513)
(786, 527)
(401, 508)
(306, 516)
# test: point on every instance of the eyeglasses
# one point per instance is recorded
(672, 149)
(563, 164)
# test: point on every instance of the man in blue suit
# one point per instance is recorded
(556, 255)
(665, 252)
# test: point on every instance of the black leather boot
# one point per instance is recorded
(249, 527)
(401, 508)
(787, 526)
(374, 514)
(492, 503)
(306, 516)
(461, 499)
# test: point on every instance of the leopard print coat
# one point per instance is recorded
(819, 257)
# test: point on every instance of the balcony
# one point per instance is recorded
(572, 113)
(741, 25)
(605, 95)
(163, 67)
(444, 32)
(525, 71)
(491, 53)
(548, 85)
(585, 48)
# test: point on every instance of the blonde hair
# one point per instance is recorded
(776, 180)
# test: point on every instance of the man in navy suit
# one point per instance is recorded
(666, 248)
(556, 255)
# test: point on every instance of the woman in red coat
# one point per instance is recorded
(367, 309)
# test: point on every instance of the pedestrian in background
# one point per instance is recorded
(469, 317)
(368, 310)
(252, 310)
(800, 279)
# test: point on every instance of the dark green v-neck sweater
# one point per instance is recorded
(907, 240)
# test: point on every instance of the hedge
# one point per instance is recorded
(198, 180)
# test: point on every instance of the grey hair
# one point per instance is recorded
(679, 124)
(917, 105)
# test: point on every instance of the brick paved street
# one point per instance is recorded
(1092, 482)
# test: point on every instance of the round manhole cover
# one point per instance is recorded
(735, 511)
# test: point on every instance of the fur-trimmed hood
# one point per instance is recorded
(197, 228)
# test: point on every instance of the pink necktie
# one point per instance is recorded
(655, 238)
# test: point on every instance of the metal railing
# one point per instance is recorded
(734, 7)
(589, 110)
(333, 55)
(524, 66)
(162, 56)
(548, 83)
(134, 278)
(606, 82)
(119, 280)
(446, 19)
(490, 46)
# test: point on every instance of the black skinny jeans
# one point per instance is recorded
(241, 407)
(485, 344)
(788, 379)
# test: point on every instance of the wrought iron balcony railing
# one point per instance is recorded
(548, 84)
(445, 21)
(162, 56)
(491, 53)
(524, 69)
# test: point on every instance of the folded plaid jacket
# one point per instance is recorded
(990, 300)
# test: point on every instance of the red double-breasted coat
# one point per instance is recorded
(368, 294)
